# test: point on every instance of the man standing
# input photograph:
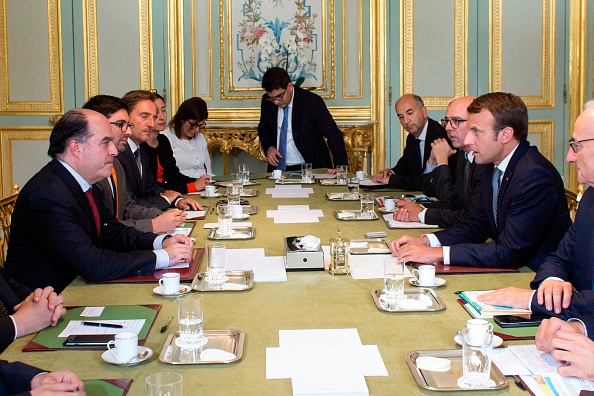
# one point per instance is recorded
(455, 194)
(293, 125)
(422, 131)
(60, 229)
(523, 209)
(142, 186)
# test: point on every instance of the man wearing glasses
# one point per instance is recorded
(456, 190)
(523, 209)
(293, 125)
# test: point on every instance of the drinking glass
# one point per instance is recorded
(393, 279)
(215, 257)
(190, 317)
(225, 219)
(341, 174)
(244, 171)
(306, 172)
(164, 384)
(237, 182)
(233, 196)
(353, 187)
(366, 205)
(476, 360)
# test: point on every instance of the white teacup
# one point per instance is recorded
(425, 275)
(170, 283)
(237, 211)
(361, 175)
(209, 191)
(389, 204)
(478, 330)
(126, 346)
(277, 173)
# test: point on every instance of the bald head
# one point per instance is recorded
(412, 114)
(583, 142)
(455, 119)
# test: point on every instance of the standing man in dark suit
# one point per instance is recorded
(455, 192)
(524, 210)
(17, 378)
(142, 186)
(60, 229)
(422, 131)
(293, 125)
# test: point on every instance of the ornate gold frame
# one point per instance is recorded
(359, 53)
(546, 130)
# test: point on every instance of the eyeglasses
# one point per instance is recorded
(454, 122)
(277, 97)
(574, 144)
(197, 125)
(123, 125)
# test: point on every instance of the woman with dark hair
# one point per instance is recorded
(161, 160)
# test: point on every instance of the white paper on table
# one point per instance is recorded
(567, 385)
(402, 224)
(266, 269)
(370, 266)
(235, 223)
(182, 230)
(318, 176)
(232, 254)
(293, 217)
(318, 338)
(91, 312)
(345, 384)
(539, 363)
(183, 264)
(290, 194)
(292, 207)
(369, 182)
(508, 363)
(194, 214)
(531, 383)
(77, 327)
(307, 212)
(287, 362)
(272, 190)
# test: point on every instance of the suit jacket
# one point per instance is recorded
(532, 216)
(172, 178)
(454, 203)
(15, 378)
(407, 172)
(311, 123)
(53, 237)
(142, 189)
(129, 212)
(572, 262)
(11, 294)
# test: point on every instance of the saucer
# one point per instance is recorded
(242, 217)
(109, 357)
(215, 195)
(183, 289)
(495, 341)
(437, 282)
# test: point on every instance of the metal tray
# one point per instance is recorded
(226, 340)
(293, 181)
(374, 246)
(230, 183)
(447, 380)
(247, 209)
(247, 192)
(239, 232)
(357, 216)
(341, 197)
(328, 182)
(437, 303)
(236, 278)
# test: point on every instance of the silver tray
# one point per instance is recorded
(239, 232)
(447, 380)
(437, 303)
(226, 340)
(357, 216)
(341, 197)
(247, 209)
(230, 183)
(247, 192)
(293, 181)
(328, 182)
(238, 278)
(379, 246)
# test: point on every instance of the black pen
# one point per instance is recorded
(164, 328)
(100, 324)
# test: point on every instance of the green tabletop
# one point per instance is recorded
(308, 300)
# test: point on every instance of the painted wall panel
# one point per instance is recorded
(203, 47)
(352, 59)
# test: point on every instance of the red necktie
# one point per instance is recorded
(94, 209)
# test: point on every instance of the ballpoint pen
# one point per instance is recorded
(100, 324)
(166, 325)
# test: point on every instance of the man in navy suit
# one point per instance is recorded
(17, 378)
(60, 228)
(524, 210)
(307, 122)
(422, 131)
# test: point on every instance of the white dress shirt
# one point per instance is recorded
(293, 156)
(191, 156)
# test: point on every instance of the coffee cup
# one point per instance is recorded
(389, 204)
(425, 275)
(209, 191)
(361, 175)
(126, 346)
(276, 174)
(478, 330)
(170, 283)
(237, 211)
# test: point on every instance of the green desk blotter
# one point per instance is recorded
(108, 387)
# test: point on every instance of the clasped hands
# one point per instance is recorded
(416, 249)
(179, 248)
(40, 309)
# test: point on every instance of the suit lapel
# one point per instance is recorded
(295, 114)
(511, 167)
(128, 156)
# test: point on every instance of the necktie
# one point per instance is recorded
(3, 310)
(94, 209)
(282, 143)
(495, 183)
(138, 161)
(466, 181)
(114, 181)
(418, 151)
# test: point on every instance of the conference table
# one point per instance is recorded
(308, 300)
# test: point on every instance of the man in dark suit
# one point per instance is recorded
(455, 192)
(114, 188)
(142, 186)
(293, 125)
(17, 378)
(60, 229)
(524, 210)
(422, 131)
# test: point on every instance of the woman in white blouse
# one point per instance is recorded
(188, 144)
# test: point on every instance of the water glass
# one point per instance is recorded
(244, 171)
(215, 259)
(366, 205)
(393, 279)
(164, 384)
(341, 174)
(476, 360)
(233, 196)
(353, 188)
(225, 218)
(237, 182)
(306, 172)
(190, 316)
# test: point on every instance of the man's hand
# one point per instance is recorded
(508, 297)
(202, 182)
(179, 248)
(407, 210)
(188, 204)
(416, 249)
(576, 351)
(57, 383)
(397, 244)
(272, 156)
(548, 329)
(39, 310)
(170, 195)
(554, 293)
(441, 151)
(168, 221)
(383, 176)
(331, 171)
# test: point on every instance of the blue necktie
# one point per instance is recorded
(282, 143)
(495, 183)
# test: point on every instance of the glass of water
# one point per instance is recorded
(225, 220)
(244, 171)
(353, 188)
(237, 182)
(341, 174)
(366, 205)
(167, 383)
(215, 257)
(476, 360)
(393, 279)
(306, 172)
(190, 316)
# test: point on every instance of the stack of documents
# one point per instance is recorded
(265, 269)
(290, 191)
(484, 310)
(291, 214)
